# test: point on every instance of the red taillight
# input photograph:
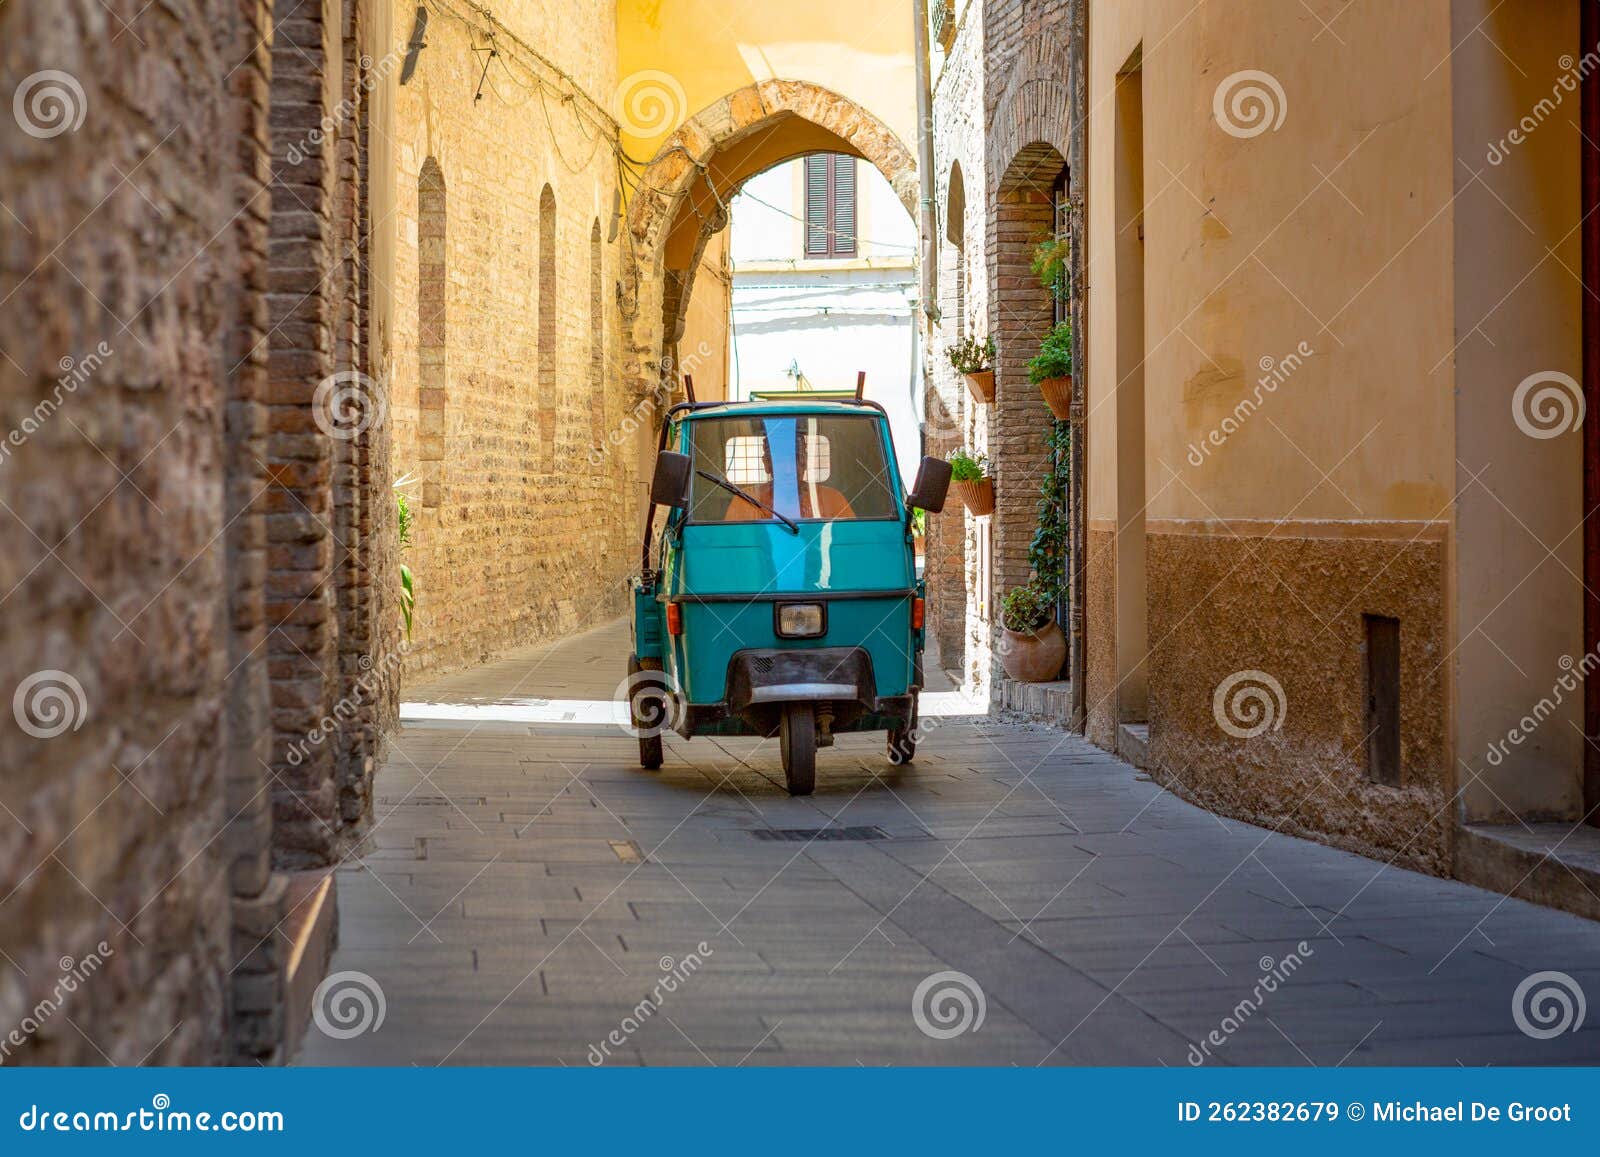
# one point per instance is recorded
(919, 608)
(674, 619)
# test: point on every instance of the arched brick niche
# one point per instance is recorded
(549, 387)
(1021, 312)
(1026, 159)
(433, 276)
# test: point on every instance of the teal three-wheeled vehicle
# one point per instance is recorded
(782, 598)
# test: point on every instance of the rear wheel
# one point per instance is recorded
(797, 736)
(903, 740)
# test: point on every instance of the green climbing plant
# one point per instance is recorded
(1047, 552)
(1052, 265)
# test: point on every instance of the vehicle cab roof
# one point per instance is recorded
(693, 411)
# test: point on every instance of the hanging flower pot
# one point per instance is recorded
(974, 359)
(970, 482)
(981, 386)
(1058, 396)
(1051, 370)
(976, 494)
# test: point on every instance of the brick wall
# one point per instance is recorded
(301, 535)
(1000, 116)
(1026, 145)
(518, 538)
(162, 332)
(958, 617)
(125, 402)
(257, 960)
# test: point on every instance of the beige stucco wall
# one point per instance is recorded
(1256, 254)
(1519, 553)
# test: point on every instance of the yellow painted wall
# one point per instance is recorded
(676, 57)
(704, 349)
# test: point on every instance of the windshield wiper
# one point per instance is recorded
(747, 496)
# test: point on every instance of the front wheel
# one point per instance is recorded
(797, 736)
(650, 753)
(646, 707)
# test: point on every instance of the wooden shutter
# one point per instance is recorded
(830, 205)
(818, 190)
(844, 205)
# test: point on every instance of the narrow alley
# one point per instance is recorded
(643, 533)
(527, 885)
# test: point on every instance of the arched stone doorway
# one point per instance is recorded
(680, 201)
(1028, 208)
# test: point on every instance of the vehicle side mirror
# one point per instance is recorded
(933, 483)
(670, 486)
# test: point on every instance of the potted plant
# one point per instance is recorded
(1051, 370)
(1032, 647)
(969, 478)
(975, 359)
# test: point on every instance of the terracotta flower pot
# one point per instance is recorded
(1058, 396)
(981, 386)
(1032, 656)
(976, 495)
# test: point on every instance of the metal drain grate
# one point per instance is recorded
(804, 834)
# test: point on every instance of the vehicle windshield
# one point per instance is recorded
(803, 466)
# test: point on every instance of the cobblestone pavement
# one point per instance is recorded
(530, 896)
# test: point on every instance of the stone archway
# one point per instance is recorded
(682, 195)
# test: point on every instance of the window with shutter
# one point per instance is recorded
(844, 206)
(830, 205)
(818, 188)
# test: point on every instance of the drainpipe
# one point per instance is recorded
(930, 273)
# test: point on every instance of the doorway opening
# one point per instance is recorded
(1132, 632)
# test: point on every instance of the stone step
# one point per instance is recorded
(1039, 702)
(1133, 743)
(312, 930)
(1556, 864)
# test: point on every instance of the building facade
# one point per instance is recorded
(1329, 555)
(1336, 547)
(507, 332)
(1001, 188)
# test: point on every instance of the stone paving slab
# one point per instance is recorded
(527, 886)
